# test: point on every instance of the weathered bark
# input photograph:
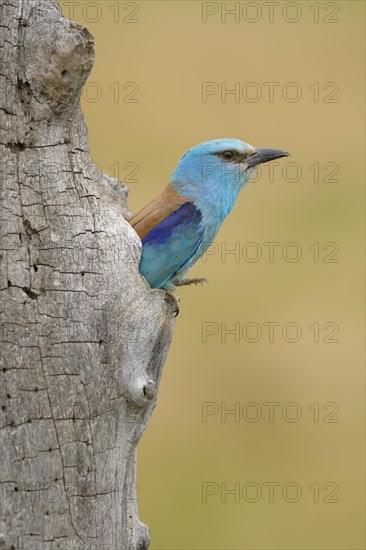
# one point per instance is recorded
(83, 337)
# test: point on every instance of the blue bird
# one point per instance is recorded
(179, 225)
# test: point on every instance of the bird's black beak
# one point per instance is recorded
(265, 155)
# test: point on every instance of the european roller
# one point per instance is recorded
(179, 225)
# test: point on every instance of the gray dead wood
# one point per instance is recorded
(83, 337)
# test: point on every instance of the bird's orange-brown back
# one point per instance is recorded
(156, 211)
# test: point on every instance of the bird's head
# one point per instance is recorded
(212, 173)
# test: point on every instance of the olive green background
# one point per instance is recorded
(168, 52)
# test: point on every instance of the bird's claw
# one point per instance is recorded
(183, 282)
(172, 298)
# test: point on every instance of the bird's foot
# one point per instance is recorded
(183, 282)
(172, 298)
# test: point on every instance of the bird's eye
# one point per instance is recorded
(227, 155)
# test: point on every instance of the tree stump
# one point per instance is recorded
(83, 337)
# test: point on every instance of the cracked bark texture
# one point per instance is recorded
(83, 337)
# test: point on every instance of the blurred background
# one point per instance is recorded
(284, 469)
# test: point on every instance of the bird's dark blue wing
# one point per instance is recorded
(170, 245)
